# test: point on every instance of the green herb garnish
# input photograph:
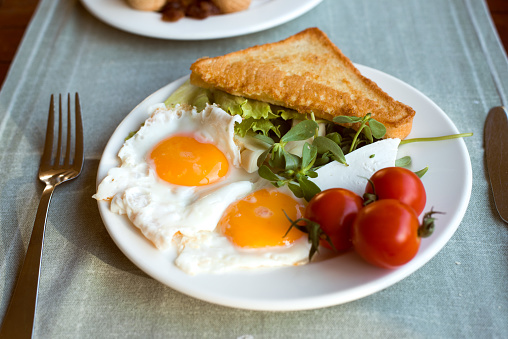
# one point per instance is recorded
(374, 129)
(445, 137)
(281, 167)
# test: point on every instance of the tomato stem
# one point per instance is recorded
(369, 198)
(314, 231)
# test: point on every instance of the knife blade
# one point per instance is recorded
(496, 153)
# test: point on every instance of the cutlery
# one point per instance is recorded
(496, 153)
(55, 168)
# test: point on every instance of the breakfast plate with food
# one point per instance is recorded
(283, 185)
(197, 19)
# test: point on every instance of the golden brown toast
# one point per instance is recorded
(305, 72)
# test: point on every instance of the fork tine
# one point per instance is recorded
(79, 153)
(48, 143)
(59, 142)
(68, 149)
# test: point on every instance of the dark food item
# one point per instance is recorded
(174, 10)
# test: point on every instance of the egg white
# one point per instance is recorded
(211, 252)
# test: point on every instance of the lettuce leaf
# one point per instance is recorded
(246, 108)
(258, 116)
(287, 114)
(256, 125)
(191, 95)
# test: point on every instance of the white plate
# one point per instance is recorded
(331, 281)
(261, 15)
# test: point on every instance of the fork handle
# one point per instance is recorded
(19, 319)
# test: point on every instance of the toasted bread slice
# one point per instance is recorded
(305, 72)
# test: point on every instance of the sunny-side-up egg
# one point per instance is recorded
(181, 183)
(177, 174)
(252, 233)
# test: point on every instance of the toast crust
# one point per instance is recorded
(305, 72)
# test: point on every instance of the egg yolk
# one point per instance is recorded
(258, 220)
(182, 160)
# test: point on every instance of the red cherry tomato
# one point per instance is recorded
(385, 233)
(401, 184)
(335, 210)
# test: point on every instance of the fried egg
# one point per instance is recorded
(178, 173)
(252, 233)
(180, 181)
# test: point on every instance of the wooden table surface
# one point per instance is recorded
(15, 16)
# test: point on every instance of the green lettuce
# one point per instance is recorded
(190, 95)
(257, 116)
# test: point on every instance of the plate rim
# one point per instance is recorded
(309, 302)
(221, 25)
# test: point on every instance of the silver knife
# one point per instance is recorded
(496, 153)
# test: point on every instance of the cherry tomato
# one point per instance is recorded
(401, 184)
(385, 233)
(335, 210)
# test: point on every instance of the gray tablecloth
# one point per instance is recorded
(448, 49)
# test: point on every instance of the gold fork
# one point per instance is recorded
(55, 168)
